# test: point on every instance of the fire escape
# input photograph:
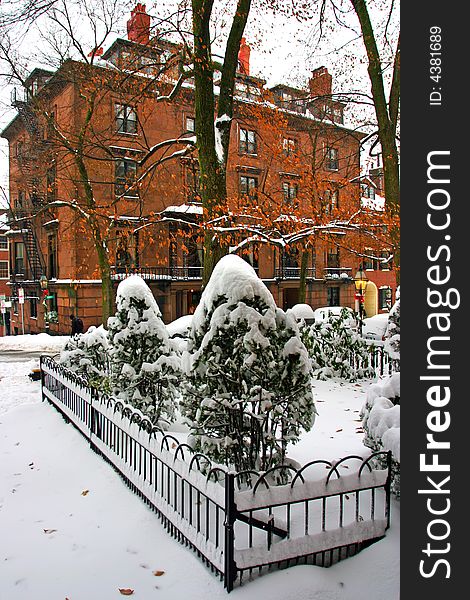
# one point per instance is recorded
(22, 214)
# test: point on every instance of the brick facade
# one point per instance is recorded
(271, 149)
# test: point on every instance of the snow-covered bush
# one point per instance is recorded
(392, 333)
(247, 391)
(336, 350)
(144, 369)
(381, 421)
(86, 354)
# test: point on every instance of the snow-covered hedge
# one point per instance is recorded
(248, 390)
(381, 421)
(87, 355)
(336, 350)
(392, 333)
(144, 368)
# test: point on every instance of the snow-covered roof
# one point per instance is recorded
(189, 209)
(377, 203)
(4, 221)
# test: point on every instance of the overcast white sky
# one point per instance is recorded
(283, 50)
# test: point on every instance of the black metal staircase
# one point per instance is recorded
(21, 221)
(27, 114)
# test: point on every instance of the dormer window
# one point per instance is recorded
(367, 191)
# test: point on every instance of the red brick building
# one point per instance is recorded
(288, 147)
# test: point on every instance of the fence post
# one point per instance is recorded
(230, 569)
(387, 486)
(92, 424)
(42, 377)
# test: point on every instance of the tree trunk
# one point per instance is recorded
(107, 294)
(212, 156)
(303, 277)
(386, 113)
(212, 175)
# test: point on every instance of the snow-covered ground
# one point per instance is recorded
(70, 528)
(42, 342)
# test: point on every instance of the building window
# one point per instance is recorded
(332, 258)
(52, 314)
(252, 258)
(20, 200)
(3, 242)
(289, 146)
(126, 118)
(332, 162)
(33, 308)
(332, 296)
(173, 246)
(51, 183)
(125, 178)
(247, 143)
(385, 298)
(338, 114)
(248, 186)
(289, 191)
(19, 258)
(52, 256)
(127, 254)
(290, 261)
(193, 257)
(385, 266)
(367, 191)
(190, 125)
(331, 200)
(4, 274)
(369, 264)
(191, 175)
(19, 149)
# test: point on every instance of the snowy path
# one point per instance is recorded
(72, 529)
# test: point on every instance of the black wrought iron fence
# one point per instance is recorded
(237, 523)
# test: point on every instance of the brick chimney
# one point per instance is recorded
(138, 26)
(244, 57)
(96, 52)
(320, 82)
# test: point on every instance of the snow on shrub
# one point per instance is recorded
(86, 354)
(144, 369)
(392, 333)
(381, 421)
(336, 350)
(247, 392)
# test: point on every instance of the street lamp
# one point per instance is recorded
(360, 281)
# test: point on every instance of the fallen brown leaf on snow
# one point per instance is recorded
(159, 573)
(338, 430)
(126, 591)
(85, 492)
(50, 530)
